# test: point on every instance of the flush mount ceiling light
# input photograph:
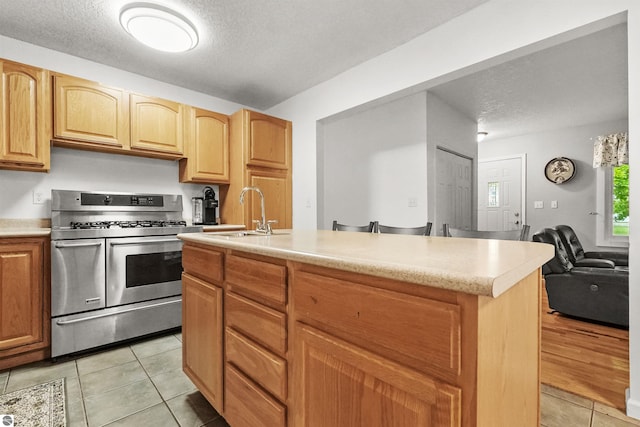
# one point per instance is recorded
(158, 27)
(481, 136)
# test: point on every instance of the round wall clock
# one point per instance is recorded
(560, 170)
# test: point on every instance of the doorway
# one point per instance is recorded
(501, 188)
(454, 190)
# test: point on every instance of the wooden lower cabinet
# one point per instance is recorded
(24, 301)
(345, 349)
(342, 385)
(202, 356)
(247, 405)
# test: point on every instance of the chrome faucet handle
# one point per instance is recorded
(259, 225)
(268, 225)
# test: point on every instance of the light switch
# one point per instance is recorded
(554, 204)
(538, 204)
(413, 202)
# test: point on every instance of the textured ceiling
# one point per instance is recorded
(253, 52)
(574, 83)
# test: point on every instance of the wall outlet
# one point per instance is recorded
(38, 197)
(554, 204)
(413, 202)
(538, 204)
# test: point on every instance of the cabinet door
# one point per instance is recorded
(341, 385)
(202, 357)
(206, 148)
(269, 141)
(89, 114)
(157, 125)
(25, 124)
(21, 294)
(276, 188)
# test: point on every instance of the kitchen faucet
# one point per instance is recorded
(262, 225)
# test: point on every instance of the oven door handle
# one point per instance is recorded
(127, 310)
(77, 245)
(144, 242)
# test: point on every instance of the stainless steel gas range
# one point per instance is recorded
(116, 267)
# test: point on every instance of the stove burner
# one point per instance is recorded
(127, 224)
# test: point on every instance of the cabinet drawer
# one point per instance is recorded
(405, 328)
(262, 324)
(263, 281)
(248, 406)
(203, 263)
(262, 366)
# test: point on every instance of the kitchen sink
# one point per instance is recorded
(237, 234)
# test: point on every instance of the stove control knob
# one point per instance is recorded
(107, 200)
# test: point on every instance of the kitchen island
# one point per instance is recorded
(324, 328)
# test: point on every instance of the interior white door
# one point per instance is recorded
(500, 195)
(454, 191)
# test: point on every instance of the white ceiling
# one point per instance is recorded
(253, 52)
(578, 82)
(259, 53)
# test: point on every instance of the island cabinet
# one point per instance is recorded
(260, 156)
(377, 352)
(202, 321)
(25, 119)
(255, 341)
(206, 148)
(91, 116)
(313, 338)
(24, 301)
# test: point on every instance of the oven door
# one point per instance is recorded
(77, 276)
(143, 268)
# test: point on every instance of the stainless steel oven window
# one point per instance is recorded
(130, 259)
(153, 268)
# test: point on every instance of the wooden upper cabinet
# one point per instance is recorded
(269, 141)
(260, 156)
(276, 188)
(157, 125)
(25, 122)
(206, 147)
(91, 114)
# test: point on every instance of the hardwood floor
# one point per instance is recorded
(587, 359)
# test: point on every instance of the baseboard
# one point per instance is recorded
(633, 406)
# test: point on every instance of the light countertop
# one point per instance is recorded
(222, 227)
(475, 266)
(35, 227)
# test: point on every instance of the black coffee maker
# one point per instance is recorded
(204, 208)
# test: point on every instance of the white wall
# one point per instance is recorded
(576, 198)
(494, 32)
(449, 129)
(84, 170)
(373, 162)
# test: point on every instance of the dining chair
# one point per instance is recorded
(361, 228)
(521, 234)
(424, 230)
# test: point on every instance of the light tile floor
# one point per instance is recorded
(142, 384)
(137, 384)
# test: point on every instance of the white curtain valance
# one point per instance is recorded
(611, 150)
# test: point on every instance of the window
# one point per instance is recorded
(493, 197)
(613, 206)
